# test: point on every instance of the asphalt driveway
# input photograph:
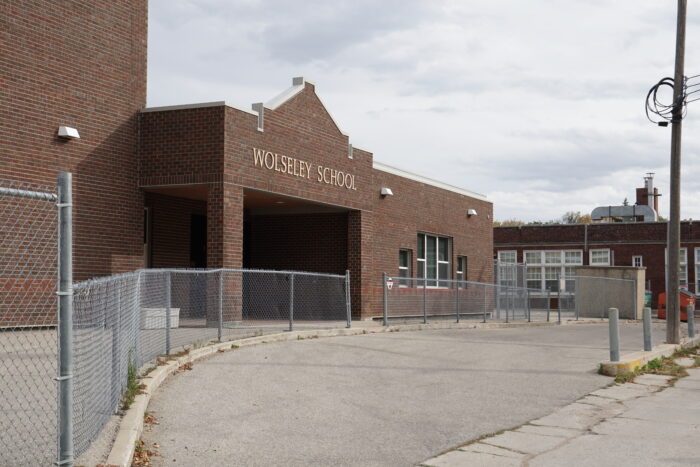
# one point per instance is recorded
(374, 399)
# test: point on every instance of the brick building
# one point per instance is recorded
(553, 251)
(208, 185)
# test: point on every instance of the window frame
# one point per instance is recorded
(403, 279)
(461, 270)
(545, 266)
(634, 261)
(515, 255)
(433, 283)
(598, 250)
(683, 260)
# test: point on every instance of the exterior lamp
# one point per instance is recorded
(68, 132)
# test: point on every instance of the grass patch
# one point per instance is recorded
(234, 346)
(133, 387)
(665, 366)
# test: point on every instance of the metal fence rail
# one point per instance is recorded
(413, 298)
(422, 299)
(136, 317)
(28, 337)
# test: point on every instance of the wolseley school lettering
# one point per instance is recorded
(302, 169)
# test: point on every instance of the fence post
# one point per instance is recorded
(527, 297)
(691, 321)
(291, 302)
(425, 309)
(614, 328)
(548, 300)
(485, 300)
(647, 329)
(65, 318)
(497, 290)
(559, 303)
(507, 302)
(634, 300)
(385, 294)
(167, 311)
(348, 307)
(221, 304)
(457, 300)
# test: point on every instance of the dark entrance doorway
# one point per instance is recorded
(290, 234)
(198, 241)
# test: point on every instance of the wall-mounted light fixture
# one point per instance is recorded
(386, 192)
(471, 212)
(68, 132)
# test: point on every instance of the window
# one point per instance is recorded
(534, 278)
(434, 259)
(637, 261)
(683, 260)
(404, 267)
(506, 267)
(545, 268)
(461, 270)
(533, 257)
(508, 256)
(599, 257)
(551, 278)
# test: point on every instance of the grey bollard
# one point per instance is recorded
(614, 317)
(647, 329)
(691, 321)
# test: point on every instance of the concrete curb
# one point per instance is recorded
(630, 362)
(131, 425)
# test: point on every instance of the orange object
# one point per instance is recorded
(686, 298)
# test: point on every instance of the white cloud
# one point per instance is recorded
(538, 104)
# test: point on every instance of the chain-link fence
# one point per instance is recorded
(419, 299)
(28, 337)
(64, 363)
(510, 274)
(411, 299)
(133, 318)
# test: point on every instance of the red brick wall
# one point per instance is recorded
(376, 228)
(170, 234)
(646, 239)
(82, 64)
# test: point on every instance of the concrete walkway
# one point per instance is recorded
(644, 423)
(376, 399)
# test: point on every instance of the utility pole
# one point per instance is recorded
(673, 318)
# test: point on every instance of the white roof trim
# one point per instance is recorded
(284, 96)
(298, 85)
(194, 106)
(184, 106)
(428, 181)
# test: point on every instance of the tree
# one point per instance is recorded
(575, 217)
(508, 223)
(625, 202)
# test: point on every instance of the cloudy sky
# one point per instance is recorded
(538, 104)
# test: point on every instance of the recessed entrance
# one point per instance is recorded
(282, 233)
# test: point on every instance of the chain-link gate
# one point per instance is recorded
(28, 324)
